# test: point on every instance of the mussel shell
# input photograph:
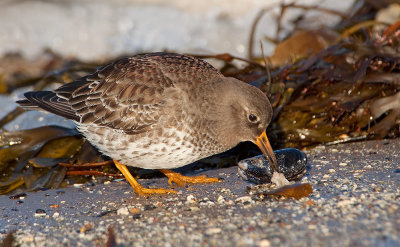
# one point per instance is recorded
(291, 162)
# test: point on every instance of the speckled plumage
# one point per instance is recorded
(159, 110)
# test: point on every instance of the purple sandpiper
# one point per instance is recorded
(161, 111)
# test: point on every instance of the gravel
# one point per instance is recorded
(355, 202)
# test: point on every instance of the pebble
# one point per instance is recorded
(226, 190)
(312, 227)
(264, 243)
(206, 202)
(123, 211)
(40, 212)
(134, 210)
(211, 231)
(191, 199)
(244, 199)
(194, 209)
(17, 196)
(346, 202)
(342, 164)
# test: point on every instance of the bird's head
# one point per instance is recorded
(247, 114)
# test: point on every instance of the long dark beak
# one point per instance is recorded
(263, 143)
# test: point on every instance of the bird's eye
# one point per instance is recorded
(252, 118)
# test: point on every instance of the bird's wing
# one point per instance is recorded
(127, 94)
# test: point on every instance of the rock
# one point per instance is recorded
(123, 211)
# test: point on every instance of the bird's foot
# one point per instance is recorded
(140, 190)
(181, 180)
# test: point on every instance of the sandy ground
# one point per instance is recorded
(355, 202)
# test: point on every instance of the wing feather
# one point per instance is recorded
(127, 94)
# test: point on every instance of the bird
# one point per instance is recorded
(160, 111)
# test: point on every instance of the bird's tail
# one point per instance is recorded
(48, 101)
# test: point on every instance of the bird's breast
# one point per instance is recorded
(160, 148)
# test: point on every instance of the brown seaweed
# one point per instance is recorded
(18, 148)
(296, 191)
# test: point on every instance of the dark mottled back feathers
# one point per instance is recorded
(126, 94)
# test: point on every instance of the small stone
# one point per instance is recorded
(27, 238)
(345, 203)
(17, 196)
(123, 211)
(225, 190)
(137, 216)
(264, 243)
(211, 231)
(134, 210)
(206, 202)
(56, 214)
(343, 164)
(229, 202)
(86, 228)
(221, 199)
(194, 209)
(244, 199)
(149, 207)
(312, 227)
(331, 171)
(279, 179)
(190, 199)
(40, 212)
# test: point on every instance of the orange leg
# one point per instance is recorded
(139, 190)
(181, 180)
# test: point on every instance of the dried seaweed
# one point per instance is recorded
(111, 239)
(296, 191)
(8, 241)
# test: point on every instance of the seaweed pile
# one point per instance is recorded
(327, 86)
(347, 91)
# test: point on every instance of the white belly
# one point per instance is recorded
(143, 151)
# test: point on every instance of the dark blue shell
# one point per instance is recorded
(291, 162)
